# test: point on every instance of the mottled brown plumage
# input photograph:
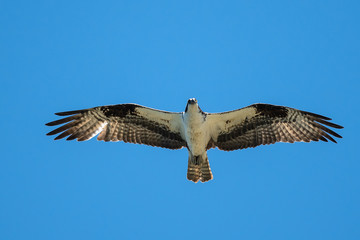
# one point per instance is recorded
(117, 123)
(272, 124)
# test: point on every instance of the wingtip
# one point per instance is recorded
(53, 123)
(62, 114)
(70, 112)
(337, 126)
(317, 115)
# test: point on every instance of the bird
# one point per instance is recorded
(198, 131)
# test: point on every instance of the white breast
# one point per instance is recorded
(195, 131)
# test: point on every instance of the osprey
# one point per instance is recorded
(198, 131)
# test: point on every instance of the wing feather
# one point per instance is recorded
(63, 120)
(124, 122)
(261, 124)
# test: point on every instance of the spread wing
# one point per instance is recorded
(124, 122)
(261, 124)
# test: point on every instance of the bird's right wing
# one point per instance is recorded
(261, 124)
(124, 122)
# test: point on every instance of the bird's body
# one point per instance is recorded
(197, 134)
(198, 131)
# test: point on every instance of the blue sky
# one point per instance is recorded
(67, 55)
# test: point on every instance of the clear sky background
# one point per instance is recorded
(66, 55)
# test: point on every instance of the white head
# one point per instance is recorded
(192, 105)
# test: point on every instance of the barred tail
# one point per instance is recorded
(199, 168)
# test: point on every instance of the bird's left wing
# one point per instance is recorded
(261, 124)
(124, 122)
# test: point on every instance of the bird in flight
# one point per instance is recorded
(198, 131)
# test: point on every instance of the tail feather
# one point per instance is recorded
(199, 168)
(193, 173)
(205, 170)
